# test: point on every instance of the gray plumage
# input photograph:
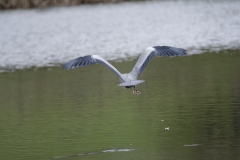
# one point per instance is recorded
(128, 80)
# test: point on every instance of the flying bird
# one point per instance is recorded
(128, 80)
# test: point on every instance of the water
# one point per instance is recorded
(81, 114)
(189, 107)
(37, 38)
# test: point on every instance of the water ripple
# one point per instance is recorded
(103, 151)
(50, 37)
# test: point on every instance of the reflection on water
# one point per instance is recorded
(49, 113)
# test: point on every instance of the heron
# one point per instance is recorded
(128, 80)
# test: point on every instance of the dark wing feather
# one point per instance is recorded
(90, 60)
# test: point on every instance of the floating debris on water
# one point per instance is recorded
(166, 128)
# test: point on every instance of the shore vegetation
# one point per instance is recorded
(14, 4)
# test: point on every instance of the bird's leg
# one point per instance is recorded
(133, 90)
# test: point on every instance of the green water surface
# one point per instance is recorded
(50, 113)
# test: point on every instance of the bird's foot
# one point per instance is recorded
(136, 92)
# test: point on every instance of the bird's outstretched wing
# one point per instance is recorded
(151, 52)
(90, 60)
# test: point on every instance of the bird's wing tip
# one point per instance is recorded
(169, 51)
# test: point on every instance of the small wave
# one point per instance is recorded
(102, 151)
(191, 145)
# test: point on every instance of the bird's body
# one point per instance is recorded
(128, 80)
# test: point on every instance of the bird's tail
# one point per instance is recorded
(131, 83)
